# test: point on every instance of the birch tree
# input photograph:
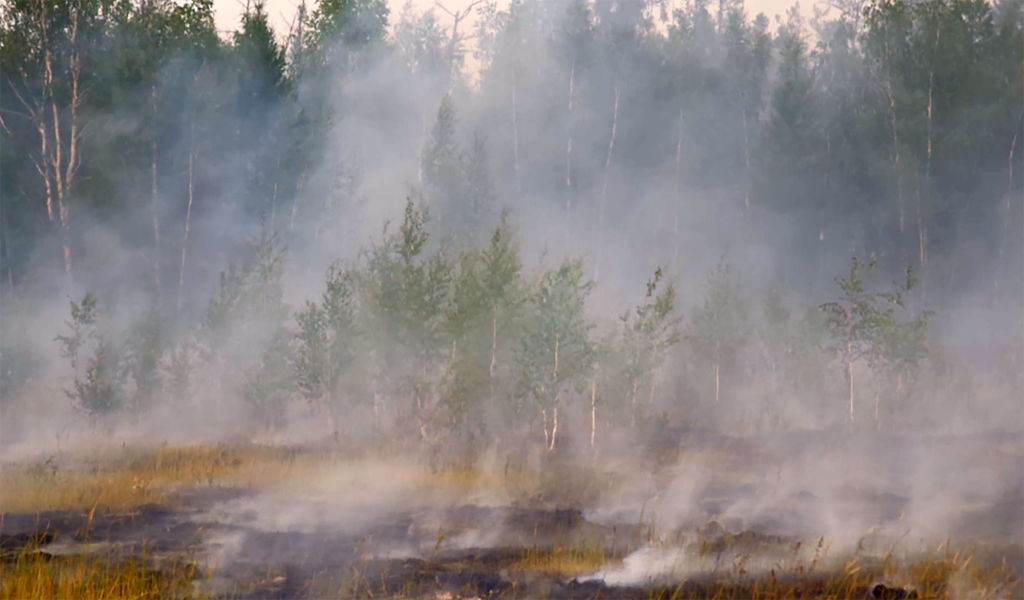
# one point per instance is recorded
(555, 354)
(865, 324)
(718, 327)
(649, 331)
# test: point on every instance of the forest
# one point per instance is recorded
(543, 242)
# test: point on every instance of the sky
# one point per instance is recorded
(228, 12)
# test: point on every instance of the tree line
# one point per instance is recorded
(887, 127)
(453, 349)
(147, 154)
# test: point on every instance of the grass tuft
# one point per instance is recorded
(32, 575)
(561, 561)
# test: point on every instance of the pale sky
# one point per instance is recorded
(282, 12)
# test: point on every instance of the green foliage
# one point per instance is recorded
(81, 328)
(179, 369)
(243, 332)
(649, 332)
(249, 292)
(457, 183)
(407, 290)
(484, 315)
(406, 293)
(99, 391)
(143, 352)
(98, 377)
(347, 25)
(872, 325)
(269, 383)
(263, 60)
(853, 318)
(327, 338)
(556, 352)
(719, 328)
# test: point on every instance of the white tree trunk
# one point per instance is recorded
(718, 382)
(593, 412)
(189, 188)
(568, 153)
(154, 200)
(849, 383)
(554, 429)
(604, 184)
(515, 132)
(897, 170)
(679, 192)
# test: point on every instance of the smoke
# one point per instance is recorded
(660, 159)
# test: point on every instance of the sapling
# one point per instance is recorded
(555, 352)
(866, 324)
(326, 342)
(719, 326)
(98, 381)
(648, 332)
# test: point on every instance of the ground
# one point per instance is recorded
(719, 518)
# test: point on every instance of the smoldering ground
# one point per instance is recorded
(312, 317)
(726, 509)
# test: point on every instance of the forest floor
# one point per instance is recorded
(260, 521)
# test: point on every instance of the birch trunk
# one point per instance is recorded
(554, 429)
(1007, 208)
(897, 171)
(922, 226)
(746, 163)
(494, 352)
(878, 401)
(189, 188)
(679, 192)
(154, 200)
(554, 403)
(718, 382)
(593, 412)
(5, 252)
(568, 152)
(849, 383)
(604, 184)
(515, 133)
(1008, 204)
(57, 171)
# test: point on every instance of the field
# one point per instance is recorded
(249, 520)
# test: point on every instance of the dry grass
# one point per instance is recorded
(941, 575)
(124, 478)
(550, 484)
(563, 562)
(33, 575)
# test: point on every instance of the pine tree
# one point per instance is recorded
(327, 344)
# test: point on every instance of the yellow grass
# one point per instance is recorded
(564, 562)
(125, 478)
(934, 576)
(32, 576)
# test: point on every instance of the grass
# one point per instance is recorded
(938, 575)
(123, 477)
(563, 562)
(32, 575)
(128, 477)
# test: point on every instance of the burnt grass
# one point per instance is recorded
(295, 564)
(470, 550)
